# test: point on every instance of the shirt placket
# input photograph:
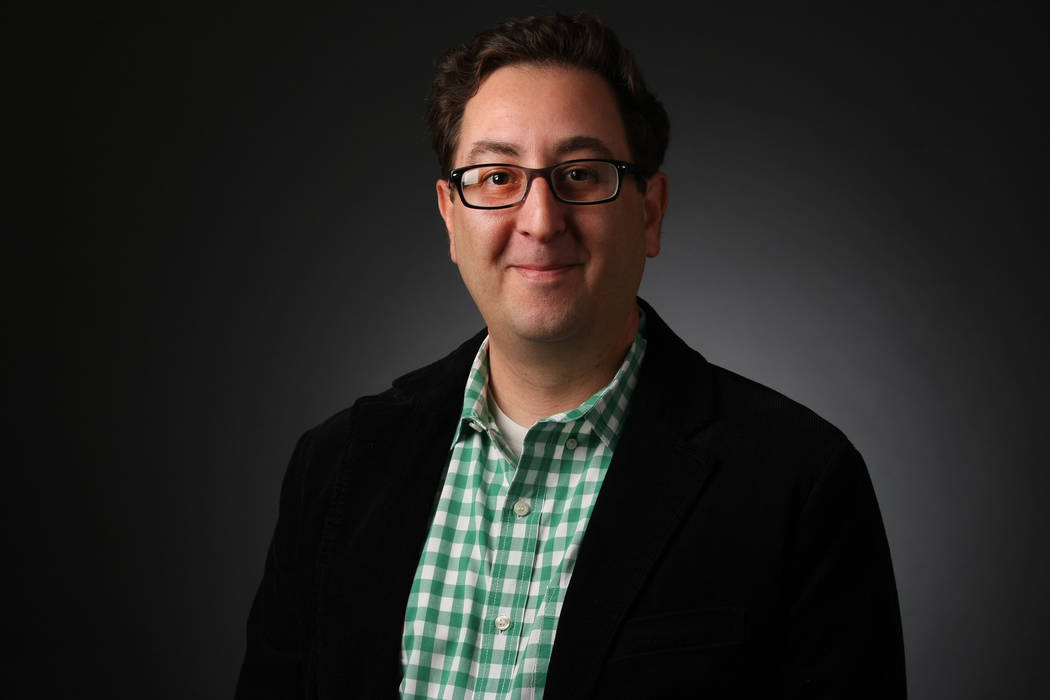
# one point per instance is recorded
(515, 560)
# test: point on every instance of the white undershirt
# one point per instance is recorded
(512, 432)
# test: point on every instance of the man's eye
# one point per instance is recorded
(580, 174)
(498, 177)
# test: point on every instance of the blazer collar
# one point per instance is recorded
(669, 367)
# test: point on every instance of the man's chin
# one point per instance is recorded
(547, 324)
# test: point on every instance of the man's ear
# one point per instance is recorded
(654, 204)
(445, 206)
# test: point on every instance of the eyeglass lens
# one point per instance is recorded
(499, 185)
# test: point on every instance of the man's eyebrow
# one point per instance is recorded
(583, 143)
(503, 148)
(573, 144)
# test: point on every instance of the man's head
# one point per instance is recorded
(540, 267)
(582, 42)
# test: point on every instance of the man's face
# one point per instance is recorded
(543, 270)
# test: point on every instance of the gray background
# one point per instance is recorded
(227, 232)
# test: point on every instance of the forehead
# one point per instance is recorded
(539, 112)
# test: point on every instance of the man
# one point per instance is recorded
(574, 503)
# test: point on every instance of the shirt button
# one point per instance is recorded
(476, 426)
(571, 444)
(502, 623)
(522, 508)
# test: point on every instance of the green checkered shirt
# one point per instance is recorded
(488, 590)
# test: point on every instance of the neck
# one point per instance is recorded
(531, 381)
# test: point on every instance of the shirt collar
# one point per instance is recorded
(603, 412)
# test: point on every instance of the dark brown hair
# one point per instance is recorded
(582, 41)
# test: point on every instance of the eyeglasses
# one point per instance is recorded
(581, 181)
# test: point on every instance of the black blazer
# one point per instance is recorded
(735, 550)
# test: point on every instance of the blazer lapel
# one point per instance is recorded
(656, 476)
(378, 522)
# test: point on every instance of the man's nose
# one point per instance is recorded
(541, 215)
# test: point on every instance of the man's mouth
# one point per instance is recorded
(544, 273)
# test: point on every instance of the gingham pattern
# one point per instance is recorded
(482, 560)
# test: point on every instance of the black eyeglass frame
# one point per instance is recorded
(455, 177)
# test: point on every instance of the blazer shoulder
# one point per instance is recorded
(753, 416)
(748, 421)
(429, 390)
(742, 398)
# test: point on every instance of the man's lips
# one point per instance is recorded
(544, 273)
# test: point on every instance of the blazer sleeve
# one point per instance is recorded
(844, 635)
(275, 661)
